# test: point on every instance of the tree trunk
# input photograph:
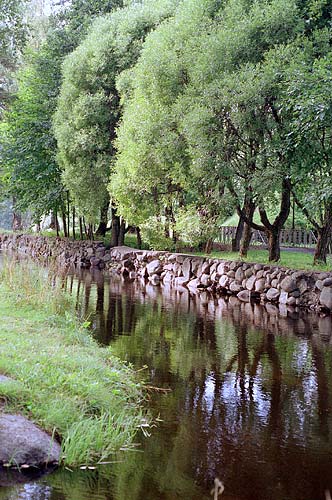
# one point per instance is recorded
(139, 238)
(274, 245)
(115, 228)
(101, 230)
(57, 228)
(68, 214)
(53, 221)
(238, 235)
(122, 232)
(322, 246)
(245, 242)
(64, 223)
(74, 234)
(208, 245)
(249, 209)
(81, 228)
(17, 219)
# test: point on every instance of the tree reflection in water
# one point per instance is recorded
(250, 400)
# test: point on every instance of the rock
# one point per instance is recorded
(193, 284)
(239, 275)
(154, 267)
(244, 295)
(291, 301)
(260, 285)
(288, 284)
(260, 274)
(224, 280)
(154, 279)
(221, 269)
(206, 280)
(327, 282)
(182, 281)
(206, 268)
(248, 272)
(283, 298)
(180, 259)
(234, 265)
(94, 261)
(326, 297)
(272, 294)
(319, 285)
(251, 282)
(258, 267)
(186, 268)
(231, 274)
(22, 442)
(129, 264)
(235, 287)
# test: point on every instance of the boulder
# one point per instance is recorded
(260, 285)
(181, 281)
(272, 294)
(22, 442)
(327, 282)
(224, 280)
(251, 282)
(244, 295)
(288, 284)
(239, 275)
(193, 284)
(283, 298)
(186, 268)
(154, 279)
(235, 287)
(326, 297)
(154, 267)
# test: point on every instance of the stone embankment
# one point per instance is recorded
(264, 283)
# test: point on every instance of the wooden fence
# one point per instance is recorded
(288, 237)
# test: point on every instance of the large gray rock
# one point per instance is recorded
(22, 442)
(186, 268)
(154, 267)
(260, 285)
(288, 284)
(326, 297)
(250, 285)
(272, 294)
(244, 295)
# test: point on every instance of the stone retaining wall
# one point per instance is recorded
(265, 283)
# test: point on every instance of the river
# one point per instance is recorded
(248, 400)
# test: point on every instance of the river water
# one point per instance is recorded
(250, 398)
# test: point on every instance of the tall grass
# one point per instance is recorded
(63, 379)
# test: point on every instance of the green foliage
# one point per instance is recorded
(30, 170)
(88, 109)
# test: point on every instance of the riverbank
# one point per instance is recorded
(61, 378)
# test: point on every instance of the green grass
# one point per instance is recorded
(62, 379)
(293, 260)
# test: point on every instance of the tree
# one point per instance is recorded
(308, 97)
(89, 106)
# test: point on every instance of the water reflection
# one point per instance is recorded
(250, 400)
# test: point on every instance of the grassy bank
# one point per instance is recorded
(292, 259)
(63, 379)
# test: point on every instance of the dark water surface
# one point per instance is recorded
(250, 400)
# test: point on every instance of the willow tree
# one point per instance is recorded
(205, 95)
(89, 105)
